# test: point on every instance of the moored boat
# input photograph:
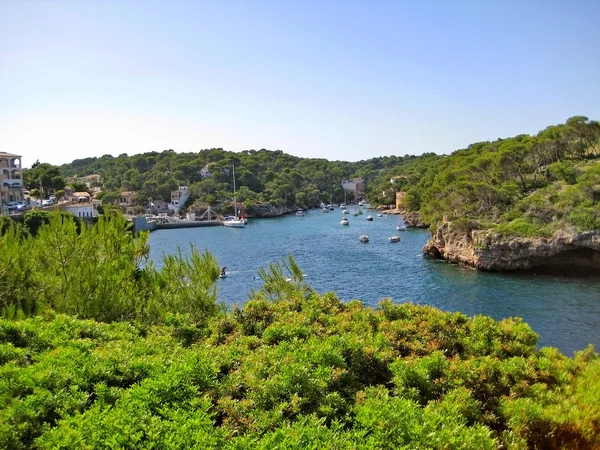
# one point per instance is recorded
(394, 238)
(234, 222)
(369, 217)
(344, 221)
(363, 238)
(300, 212)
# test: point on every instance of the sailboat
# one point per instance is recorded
(236, 222)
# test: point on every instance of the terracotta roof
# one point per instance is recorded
(80, 194)
(9, 155)
(127, 193)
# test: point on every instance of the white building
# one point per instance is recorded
(205, 172)
(178, 198)
(11, 180)
(82, 205)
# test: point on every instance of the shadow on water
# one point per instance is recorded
(565, 312)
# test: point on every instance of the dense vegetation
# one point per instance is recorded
(98, 349)
(262, 177)
(526, 185)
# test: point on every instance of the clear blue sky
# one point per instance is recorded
(345, 80)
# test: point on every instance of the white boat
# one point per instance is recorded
(379, 215)
(344, 221)
(224, 275)
(345, 211)
(394, 238)
(401, 228)
(235, 222)
(300, 212)
(369, 217)
(363, 238)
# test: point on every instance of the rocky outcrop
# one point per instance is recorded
(267, 210)
(413, 219)
(564, 252)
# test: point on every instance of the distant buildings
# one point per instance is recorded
(178, 198)
(356, 187)
(126, 201)
(82, 205)
(88, 180)
(400, 199)
(11, 179)
(205, 172)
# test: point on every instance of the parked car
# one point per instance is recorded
(48, 202)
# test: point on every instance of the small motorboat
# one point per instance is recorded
(401, 228)
(224, 275)
(394, 238)
(300, 212)
(369, 217)
(363, 238)
(345, 211)
(379, 215)
(344, 221)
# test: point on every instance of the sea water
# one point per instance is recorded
(565, 312)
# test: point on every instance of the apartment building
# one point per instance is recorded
(11, 179)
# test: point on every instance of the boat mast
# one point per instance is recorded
(234, 200)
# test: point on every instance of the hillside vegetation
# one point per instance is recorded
(525, 185)
(98, 349)
(262, 177)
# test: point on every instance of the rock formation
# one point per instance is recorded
(487, 250)
(413, 219)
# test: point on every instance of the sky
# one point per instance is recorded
(342, 80)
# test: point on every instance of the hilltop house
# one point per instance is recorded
(88, 180)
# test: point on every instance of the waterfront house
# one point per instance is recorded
(356, 186)
(11, 180)
(87, 209)
(126, 201)
(400, 199)
(178, 198)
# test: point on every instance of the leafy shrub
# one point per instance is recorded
(519, 227)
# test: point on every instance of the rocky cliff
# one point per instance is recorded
(413, 219)
(486, 250)
(267, 210)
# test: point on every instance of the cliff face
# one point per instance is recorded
(266, 210)
(485, 250)
(413, 219)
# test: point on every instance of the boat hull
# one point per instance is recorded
(234, 223)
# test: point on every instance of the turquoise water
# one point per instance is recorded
(565, 312)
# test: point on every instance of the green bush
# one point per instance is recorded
(520, 227)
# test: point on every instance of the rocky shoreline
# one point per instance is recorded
(412, 219)
(565, 252)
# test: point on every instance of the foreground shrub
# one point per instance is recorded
(101, 271)
(305, 372)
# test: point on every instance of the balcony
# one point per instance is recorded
(12, 182)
